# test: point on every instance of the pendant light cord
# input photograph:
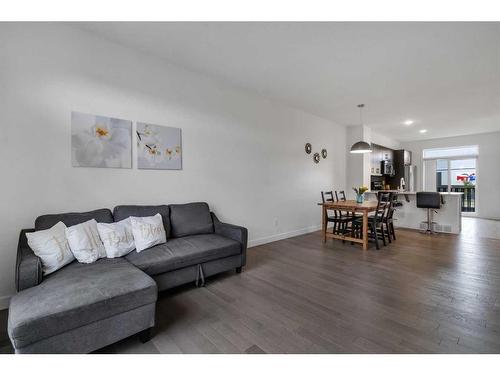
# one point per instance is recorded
(360, 106)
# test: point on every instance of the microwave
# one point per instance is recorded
(387, 168)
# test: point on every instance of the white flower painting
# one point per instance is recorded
(158, 147)
(99, 141)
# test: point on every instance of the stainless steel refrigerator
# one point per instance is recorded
(410, 178)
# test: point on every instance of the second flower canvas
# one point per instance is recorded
(158, 147)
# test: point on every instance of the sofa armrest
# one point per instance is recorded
(28, 265)
(233, 232)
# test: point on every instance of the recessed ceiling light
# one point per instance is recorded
(423, 131)
(408, 122)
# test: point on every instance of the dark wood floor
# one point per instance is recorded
(420, 294)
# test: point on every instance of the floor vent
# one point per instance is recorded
(447, 228)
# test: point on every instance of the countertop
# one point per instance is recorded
(408, 192)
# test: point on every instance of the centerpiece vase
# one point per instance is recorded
(360, 198)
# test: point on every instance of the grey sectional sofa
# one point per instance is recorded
(83, 307)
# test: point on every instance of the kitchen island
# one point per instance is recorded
(408, 215)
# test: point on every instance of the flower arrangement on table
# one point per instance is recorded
(359, 193)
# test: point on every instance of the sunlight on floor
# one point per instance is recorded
(473, 227)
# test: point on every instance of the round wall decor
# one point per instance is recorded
(316, 158)
(308, 148)
(324, 153)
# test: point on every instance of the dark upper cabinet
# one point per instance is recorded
(378, 156)
(402, 158)
(387, 154)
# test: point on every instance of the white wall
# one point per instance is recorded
(241, 153)
(383, 140)
(488, 176)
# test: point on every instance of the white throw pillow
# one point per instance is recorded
(148, 231)
(84, 242)
(117, 238)
(51, 247)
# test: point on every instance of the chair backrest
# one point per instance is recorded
(384, 200)
(340, 196)
(428, 199)
(327, 196)
(392, 208)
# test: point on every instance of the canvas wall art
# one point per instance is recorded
(99, 141)
(158, 147)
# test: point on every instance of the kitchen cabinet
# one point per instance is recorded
(387, 155)
(375, 159)
(378, 155)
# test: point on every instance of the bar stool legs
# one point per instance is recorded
(429, 222)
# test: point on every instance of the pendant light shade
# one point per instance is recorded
(361, 147)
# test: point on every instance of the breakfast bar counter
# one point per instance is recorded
(408, 215)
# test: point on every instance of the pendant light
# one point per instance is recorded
(361, 147)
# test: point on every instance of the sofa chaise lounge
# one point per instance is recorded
(83, 307)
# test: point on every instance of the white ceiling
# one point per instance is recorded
(445, 76)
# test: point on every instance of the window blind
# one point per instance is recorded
(451, 152)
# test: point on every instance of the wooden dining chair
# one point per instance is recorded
(342, 197)
(387, 203)
(327, 196)
(389, 219)
(376, 228)
(347, 216)
(340, 222)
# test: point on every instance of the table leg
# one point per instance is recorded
(324, 223)
(365, 230)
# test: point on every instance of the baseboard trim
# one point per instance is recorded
(282, 236)
(4, 302)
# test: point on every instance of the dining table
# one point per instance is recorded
(350, 206)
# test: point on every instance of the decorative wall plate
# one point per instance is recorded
(316, 157)
(324, 153)
(308, 148)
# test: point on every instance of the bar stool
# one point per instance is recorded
(431, 201)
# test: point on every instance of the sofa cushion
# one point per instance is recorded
(191, 218)
(52, 247)
(183, 252)
(102, 215)
(122, 212)
(77, 295)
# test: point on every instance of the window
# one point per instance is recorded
(452, 170)
(451, 152)
(442, 174)
(463, 172)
